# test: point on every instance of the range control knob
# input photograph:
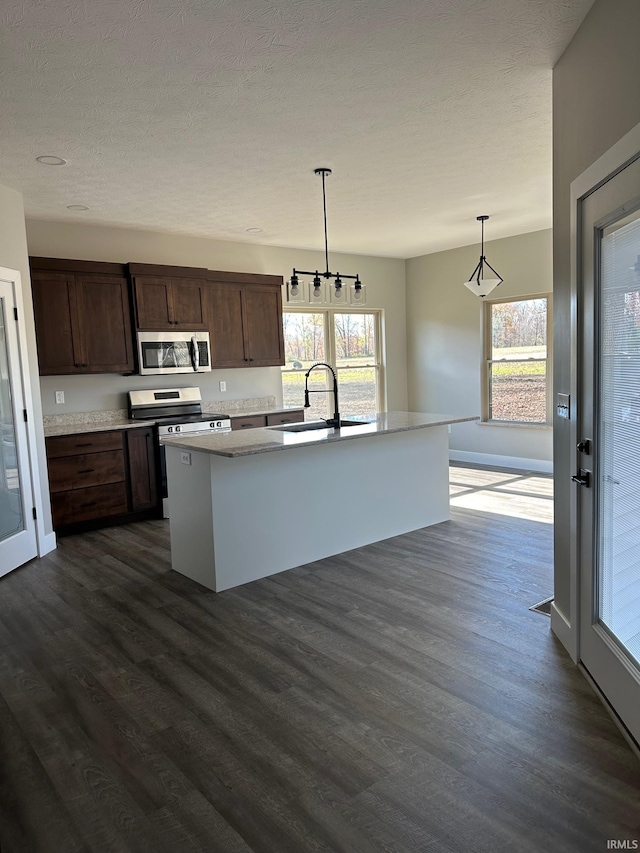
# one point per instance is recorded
(213, 425)
(178, 429)
(170, 429)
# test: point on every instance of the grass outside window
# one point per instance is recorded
(517, 361)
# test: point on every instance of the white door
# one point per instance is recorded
(608, 454)
(17, 525)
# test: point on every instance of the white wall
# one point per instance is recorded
(384, 277)
(444, 338)
(13, 254)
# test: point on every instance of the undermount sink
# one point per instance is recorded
(305, 427)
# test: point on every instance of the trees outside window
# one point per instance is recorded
(349, 341)
(517, 360)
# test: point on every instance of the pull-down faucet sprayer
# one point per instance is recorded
(332, 422)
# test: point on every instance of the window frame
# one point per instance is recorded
(487, 361)
(330, 347)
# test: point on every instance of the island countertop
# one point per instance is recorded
(269, 439)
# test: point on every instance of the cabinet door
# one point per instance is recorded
(91, 504)
(154, 309)
(189, 297)
(293, 417)
(142, 469)
(104, 313)
(262, 318)
(56, 317)
(225, 326)
(248, 421)
(84, 470)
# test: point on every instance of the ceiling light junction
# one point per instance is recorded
(477, 283)
(317, 275)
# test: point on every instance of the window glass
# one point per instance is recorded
(356, 360)
(346, 340)
(517, 367)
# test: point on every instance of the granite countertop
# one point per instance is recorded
(51, 430)
(102, 421)
(268, 439)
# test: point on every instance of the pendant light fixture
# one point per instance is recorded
(477, 283)
(294, 284)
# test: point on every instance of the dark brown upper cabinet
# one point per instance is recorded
(82, 317)
(169, 297)
(245, 320)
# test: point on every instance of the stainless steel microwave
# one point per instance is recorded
(173, 352)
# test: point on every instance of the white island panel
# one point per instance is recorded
(234, 520)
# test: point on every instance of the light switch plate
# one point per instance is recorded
(185, 457)
(59, 396)
(223, 385)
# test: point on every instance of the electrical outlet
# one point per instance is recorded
(223, 385)
(185, 458)
(59, 396)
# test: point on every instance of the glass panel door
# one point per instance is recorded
(618, 497)
(17, 527)
(11, 512)
(607, 479)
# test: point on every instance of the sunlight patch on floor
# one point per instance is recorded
(528, 496)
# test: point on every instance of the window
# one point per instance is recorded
(349, 341)
(517, 361)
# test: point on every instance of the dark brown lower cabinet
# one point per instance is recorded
(142, 469)
(292, 416)
(102, 478)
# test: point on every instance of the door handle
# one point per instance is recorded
(584, 446)
(582, 478)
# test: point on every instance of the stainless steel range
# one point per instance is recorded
(176, 411)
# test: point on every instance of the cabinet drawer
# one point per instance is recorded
(285, 418)
(88, 469)
(88, 504)
(248, 422)
(90, 442)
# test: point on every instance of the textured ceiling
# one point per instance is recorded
(207, 117)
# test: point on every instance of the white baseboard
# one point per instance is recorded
(46, 544)
(562, 629)
(544, 466)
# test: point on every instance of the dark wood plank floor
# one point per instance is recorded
(400, 697)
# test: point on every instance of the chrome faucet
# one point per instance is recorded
(332, 422)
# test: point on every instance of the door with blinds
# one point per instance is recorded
(608, 452)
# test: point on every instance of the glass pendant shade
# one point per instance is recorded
(477, 283)
(482, 287)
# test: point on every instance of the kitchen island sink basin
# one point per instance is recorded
(305, 427)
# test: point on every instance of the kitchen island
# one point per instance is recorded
(246, 505)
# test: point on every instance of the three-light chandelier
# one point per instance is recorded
(317, 275)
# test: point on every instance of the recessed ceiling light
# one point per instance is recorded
(50, 160)
(254, 230)
(77, 207)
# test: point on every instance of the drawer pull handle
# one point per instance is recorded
(87, 471)
(86, 506)
(86, 444)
